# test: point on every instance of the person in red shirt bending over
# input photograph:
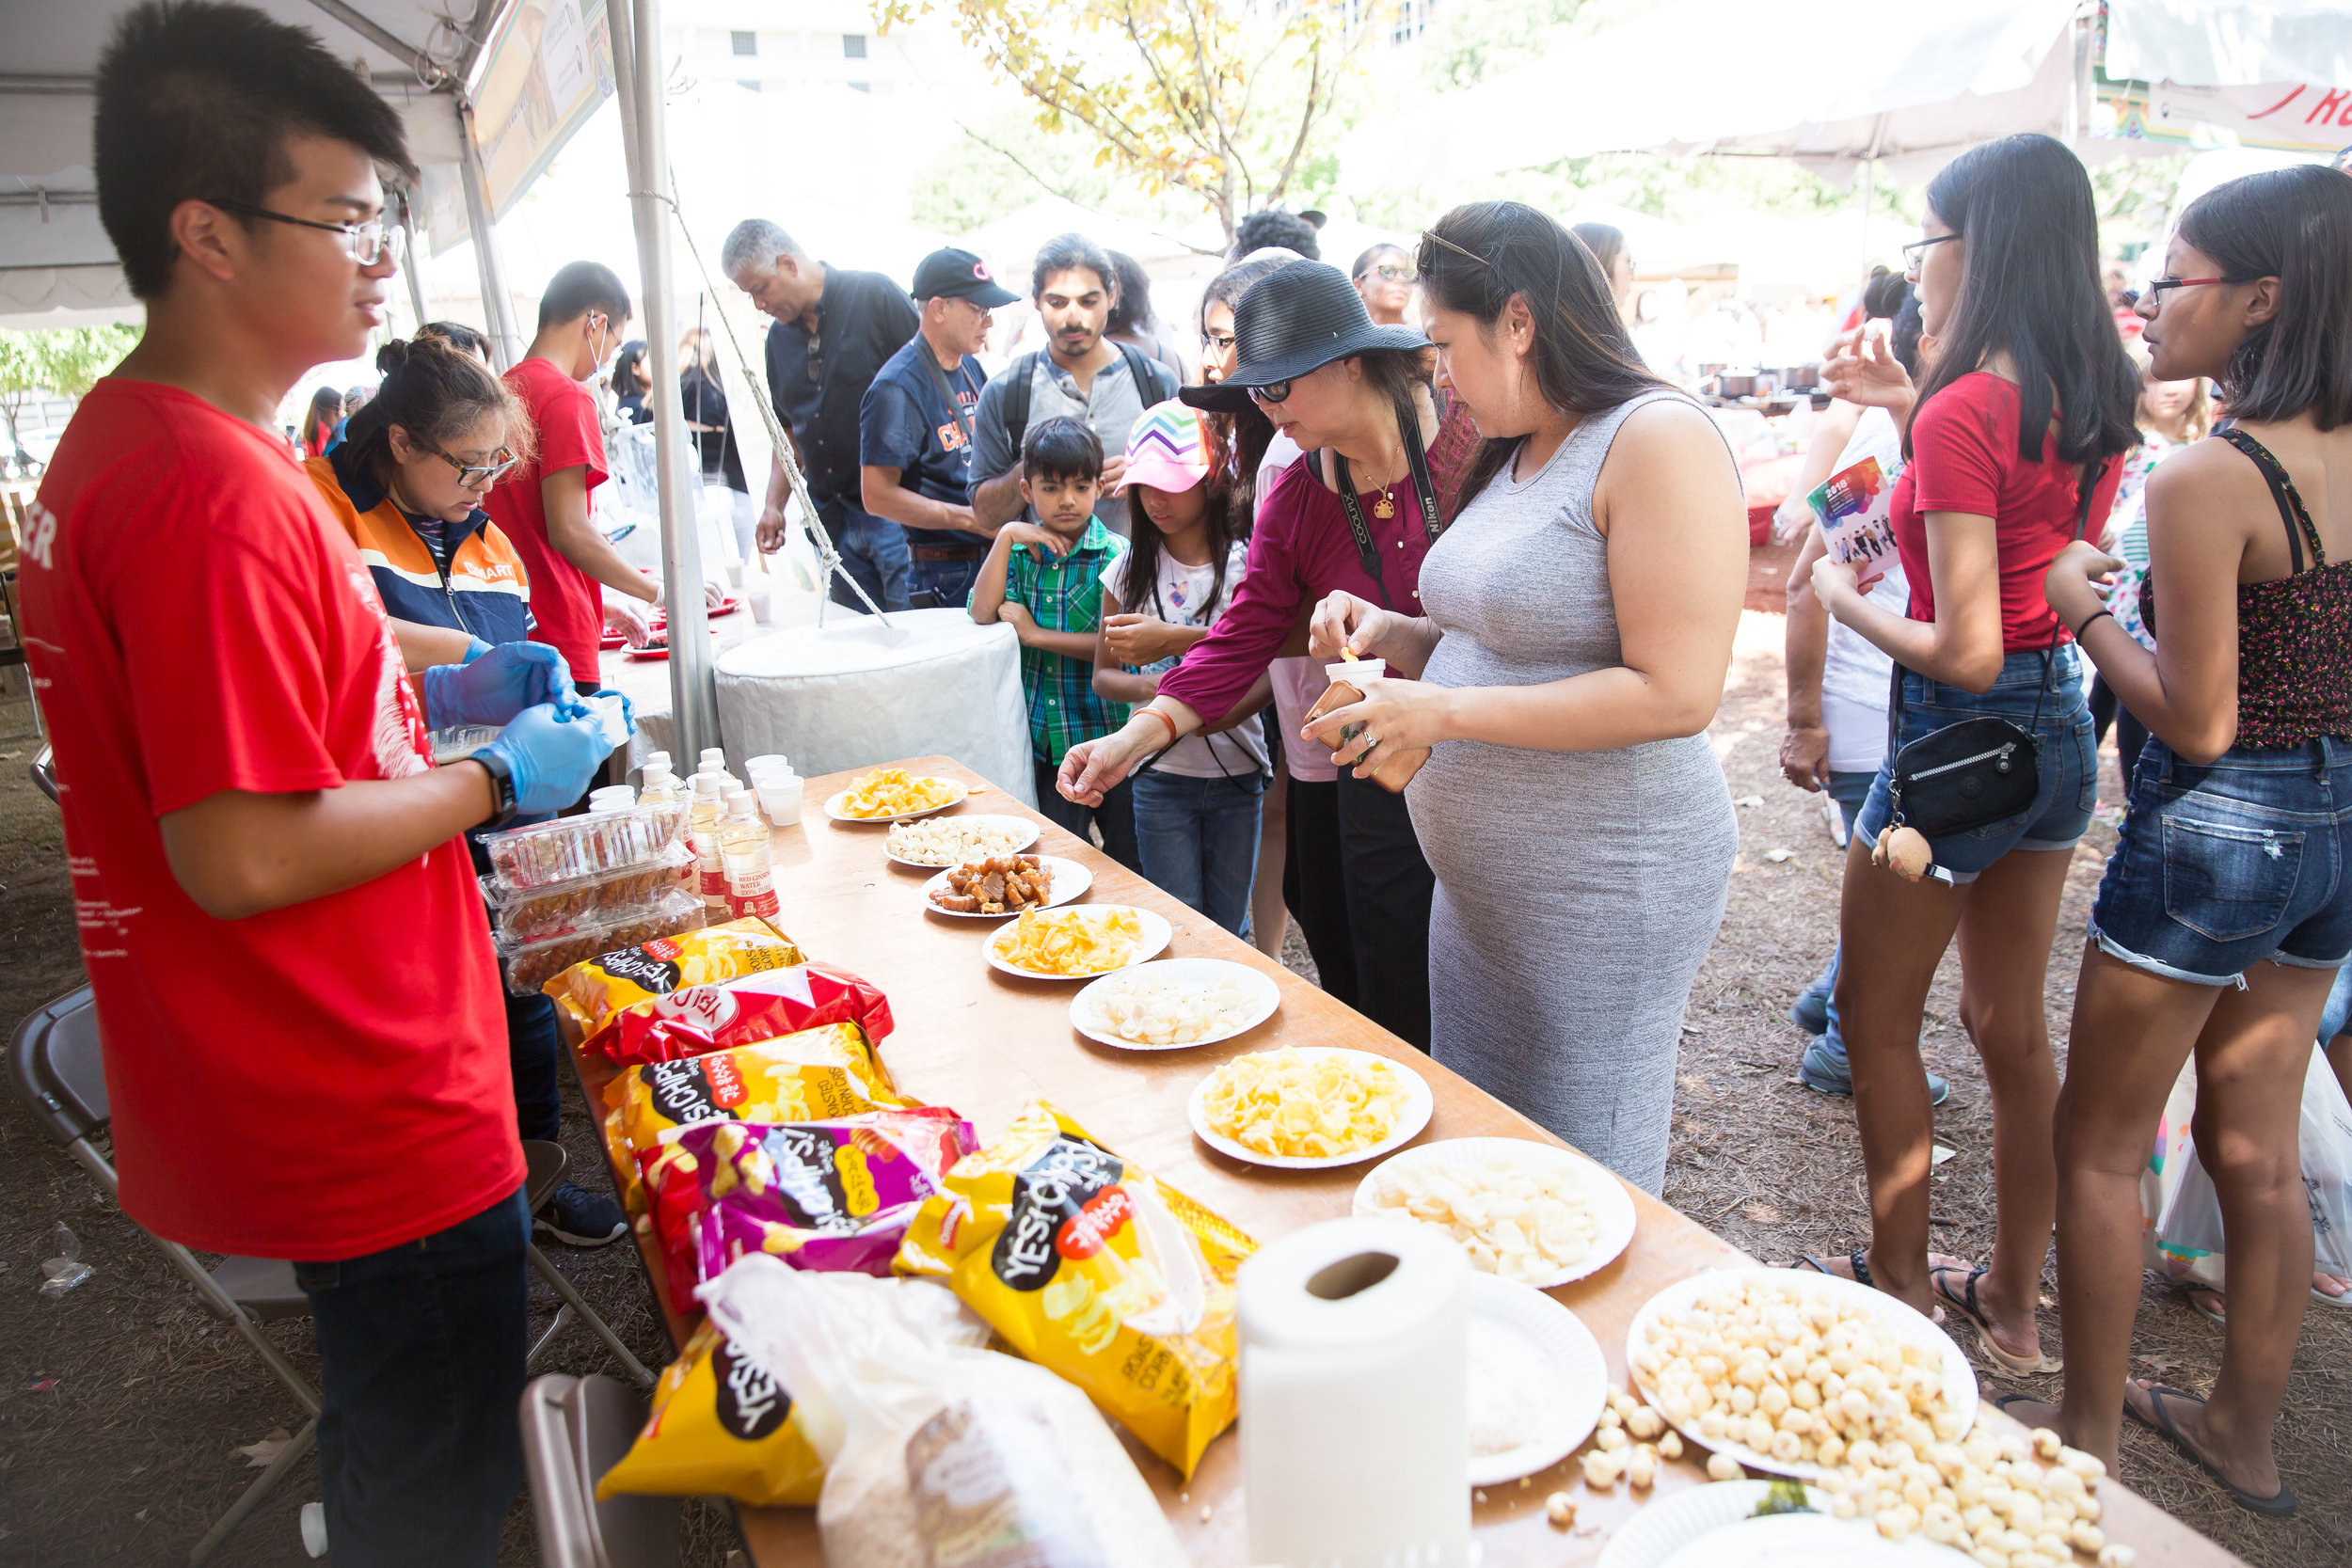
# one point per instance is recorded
(304, 1051)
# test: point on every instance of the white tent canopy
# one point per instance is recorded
(2198, 43)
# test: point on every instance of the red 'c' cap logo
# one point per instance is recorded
(979, 269)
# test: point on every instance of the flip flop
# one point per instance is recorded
(2279, 1505)
(2016, 1366)
(2210, 1304)
(1861, 1266)
(2323, 1297)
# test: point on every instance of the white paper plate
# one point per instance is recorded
(1020, 825)
(1612, 1208)
(1808, 1541)
(834, 802)
(1156, 934)
(1959, 1380)
(1552, 1357)
(1658, 1530)
(1264, 994)
(1419, 1103)
(1070, 882)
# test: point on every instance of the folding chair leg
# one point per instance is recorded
(288, 1457)
(562, 1316)
(587, 1314)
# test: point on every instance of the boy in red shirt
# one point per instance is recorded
(305, 1049)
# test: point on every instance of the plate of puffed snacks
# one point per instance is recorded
(1091, 1267)
(893, 794)
(1174, 1004)
(1077, 941)
(941, 841)
(622, 976)
(1530, 1213)
(1309, 1107)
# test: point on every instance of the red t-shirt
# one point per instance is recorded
(1963, 458)
(566, 602)
(319, 1081)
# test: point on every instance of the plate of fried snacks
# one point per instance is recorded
(1795, 1372)
(893, 794)
(1004, 885)
(940, 841)
(1174, 1004)
(1077, 941)
(1309, 1107)
(1530, 1213)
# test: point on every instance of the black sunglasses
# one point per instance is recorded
(1272, 392)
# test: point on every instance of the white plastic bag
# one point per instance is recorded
(938, 1454)
(2177, 1197)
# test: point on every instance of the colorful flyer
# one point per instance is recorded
(1856, 509)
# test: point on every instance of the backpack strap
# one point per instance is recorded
(1017, 402)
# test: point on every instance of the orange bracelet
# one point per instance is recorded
(1155, 713)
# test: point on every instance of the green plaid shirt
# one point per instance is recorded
(1063, 596)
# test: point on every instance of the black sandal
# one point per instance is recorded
(2016, 1366)
(1860, 1265)
(2279, 1505)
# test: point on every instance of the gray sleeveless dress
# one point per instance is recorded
(1577, 891)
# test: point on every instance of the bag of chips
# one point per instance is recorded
(593, 991)
(1091, 1266)
(820, 1194)
(723, 1426)
(693, 1020)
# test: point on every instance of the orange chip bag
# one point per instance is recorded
(723, 1426)
(604, 985)
(1091, 1267)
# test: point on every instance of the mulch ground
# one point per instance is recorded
(123, 1405)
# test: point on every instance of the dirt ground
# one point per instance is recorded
(123, 1405)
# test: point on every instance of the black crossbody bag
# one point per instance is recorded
(1979, 771)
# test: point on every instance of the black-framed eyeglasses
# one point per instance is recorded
(366, 243)
(1221, 342)
(1272, 392)
(1916, 250)
(2158, 286)
(1389, 272)
(473, 476)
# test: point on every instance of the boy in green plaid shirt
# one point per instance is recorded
(1045, 582)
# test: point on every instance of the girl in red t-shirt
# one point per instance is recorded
(2014, 440)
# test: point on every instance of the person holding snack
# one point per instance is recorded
(1575, 629)
(294, 984)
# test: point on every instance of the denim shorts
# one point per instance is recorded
(2222, 866)
(2067, 755)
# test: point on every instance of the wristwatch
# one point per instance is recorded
(501, 786)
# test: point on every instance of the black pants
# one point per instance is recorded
(1370, 861)
(2130, 733)
(1116, 815)
(1311, 890)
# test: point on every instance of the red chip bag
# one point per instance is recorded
(694, 1019)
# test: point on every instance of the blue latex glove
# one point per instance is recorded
(494, 688)
(628, 710)
(553, 757)
(474, 650)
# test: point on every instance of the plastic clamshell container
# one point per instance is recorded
(528, 913)
(572, 847)
(530, 965)
(456, 742)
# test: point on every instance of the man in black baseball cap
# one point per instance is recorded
(915, 428)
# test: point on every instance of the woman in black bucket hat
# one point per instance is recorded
(1355, 397)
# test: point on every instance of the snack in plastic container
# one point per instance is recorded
(752, 1007)
(936, 1451)
(571, 847)
(527, 913)
(721, 1427)
(820, 1194)
(534, 964)
(456, 742)
(624, 973)
(1091, 1266)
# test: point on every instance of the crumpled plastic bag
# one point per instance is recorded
(2183, 1214)
(67, 1270)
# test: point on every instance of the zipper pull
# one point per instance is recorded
(2001, 764)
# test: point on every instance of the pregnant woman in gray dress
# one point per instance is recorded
(1578, 622)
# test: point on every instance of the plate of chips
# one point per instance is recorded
(1174, 1005)
(945, 841)
(1535, 1213)
(893, 794)
(1077, 941)
(1309, 1107)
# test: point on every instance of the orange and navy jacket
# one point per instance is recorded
(485, 592)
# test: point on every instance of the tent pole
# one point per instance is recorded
(416, 255)
(498, 306)
(693, 699)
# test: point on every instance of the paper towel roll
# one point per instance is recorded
(1354, 1406)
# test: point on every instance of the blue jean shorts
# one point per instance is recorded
(2066, 750)
(2222, 866)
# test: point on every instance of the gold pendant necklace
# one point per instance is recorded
(1385, 506)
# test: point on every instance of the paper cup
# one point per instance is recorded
(781, 801)
(1357, 671)
(773, 762)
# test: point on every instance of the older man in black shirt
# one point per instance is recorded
(834, 329)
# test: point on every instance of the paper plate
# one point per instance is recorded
(1539, 1350)
(834, 803)
(1070, 882)
(1959, 1380)
(1419, 1103)
(1661, 1529)
(1611, 1207)
(1156, 934)
(1026, 829)
(645, 654)
(1264, 994)
(1808, 1541)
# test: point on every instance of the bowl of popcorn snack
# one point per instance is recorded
(893, 794)
(1533, 1214)
(933, 841)
(1077, 941)
(1309, 1107)
(1002, 885)
(1174, 1004)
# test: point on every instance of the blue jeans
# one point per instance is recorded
(535, 1052)
(1116, 815)
(2068, 760)
(872, 551)
(1198, 840)
(1849, 790)
(421, 1355)
(2223, 866)
(950, 580)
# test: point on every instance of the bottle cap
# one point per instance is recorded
(706, 787)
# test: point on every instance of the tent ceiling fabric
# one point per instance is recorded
(2199, 44)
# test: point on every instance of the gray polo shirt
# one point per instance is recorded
(1110, 411)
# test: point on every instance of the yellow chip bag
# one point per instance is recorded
(1092, 1267)
(594, 991)
(719, 1427)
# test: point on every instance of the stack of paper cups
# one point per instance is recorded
(780, 788)
(1355, 1402)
